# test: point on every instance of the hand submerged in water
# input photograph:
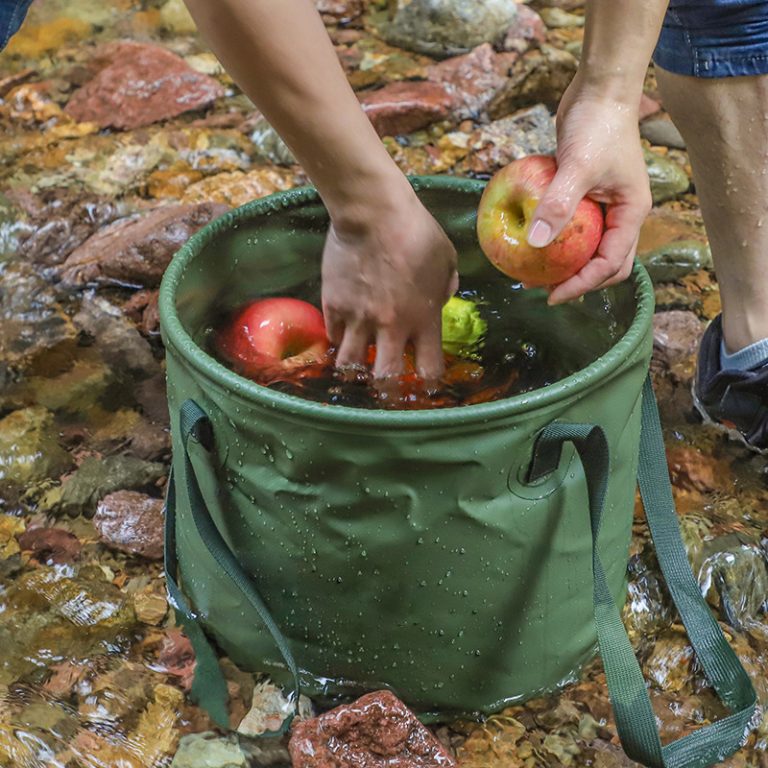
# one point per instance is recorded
(386, 276)
(599, 155)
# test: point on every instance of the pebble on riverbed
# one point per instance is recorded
(377, 730)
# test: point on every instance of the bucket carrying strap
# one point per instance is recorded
(632, 709)
(209, 688)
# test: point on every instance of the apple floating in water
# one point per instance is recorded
(276, 333)
(505, 215)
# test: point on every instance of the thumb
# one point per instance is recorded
(557, 207)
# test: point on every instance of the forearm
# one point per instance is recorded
(279, 53)
(619, 39)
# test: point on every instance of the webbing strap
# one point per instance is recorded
(634, 716)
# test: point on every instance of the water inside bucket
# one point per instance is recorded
(527, 345)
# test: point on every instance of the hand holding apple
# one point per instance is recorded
(504, 217)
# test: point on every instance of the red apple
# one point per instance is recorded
(504, 217)
(272, 335)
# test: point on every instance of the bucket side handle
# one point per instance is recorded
(209, 687)
(635, 720)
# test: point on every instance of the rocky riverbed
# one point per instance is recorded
(100, 182)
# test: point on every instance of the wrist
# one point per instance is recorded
(360, 203)
(615, 87)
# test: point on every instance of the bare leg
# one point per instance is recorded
(724, 123)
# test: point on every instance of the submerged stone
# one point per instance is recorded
(140, 84)
(668, 179)
(443, 28)
(138, 249)
(94, 479)
(404, 107)
(206, 750)
(269, 145)
(29, 450)
(376, 730)
(269, 709)
(674, 260)
(131, 522)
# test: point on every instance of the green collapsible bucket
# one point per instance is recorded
(465, 558)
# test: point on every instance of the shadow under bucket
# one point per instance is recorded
(405, 550)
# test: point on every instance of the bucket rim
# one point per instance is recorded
(176, 337)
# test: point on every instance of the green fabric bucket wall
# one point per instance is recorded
(397, 549)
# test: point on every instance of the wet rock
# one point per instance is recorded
(269, 145)
(527, 132)
(61, 220)
(648, 107)
(11, 529)
(443, 28)
(662, 133)
(94, 479)
(405, 107)
(472, 80)
(648, 609)
(674, 260)
(137, 250)
(206, 750)
(177, 658)
(237, 188)
(140, 84)
(676, 337)
(51, 546)
(35, 40)
(269, 708)
(668, 179)
(734, 577)
(376, 730)
(142, 309)
(28, 447)
(558, 18)
(538, 77)
(131, 522)
(695, 471)
(35, 332)
(177, 19)
(118, 343)
(75, 390)
(340, 11)
(528, 27)
(671, 665)
(150, 605)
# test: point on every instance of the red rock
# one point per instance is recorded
(404, 107)
(472, 80)
(676, 336)
(131, 522)
(136, 250)
(376, 731)
(340, 11)
(139, 84)
(51, 545)
(527, 27)
(142, 309)
(177, 658)
(693, 470)
(648, 107)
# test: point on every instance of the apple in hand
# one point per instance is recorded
(276, 334)
(505, 215)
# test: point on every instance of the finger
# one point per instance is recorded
(390, 349)
(618, 245)
(334, 326)
(354, 346)
(558, 205)
(626, 268)
(453, 285)
(429, 351)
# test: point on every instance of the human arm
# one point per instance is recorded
(599, 152)
(387, 265)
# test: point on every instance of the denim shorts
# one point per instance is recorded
(12, 13)
(714, 38)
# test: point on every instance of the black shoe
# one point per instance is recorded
(736, 401)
